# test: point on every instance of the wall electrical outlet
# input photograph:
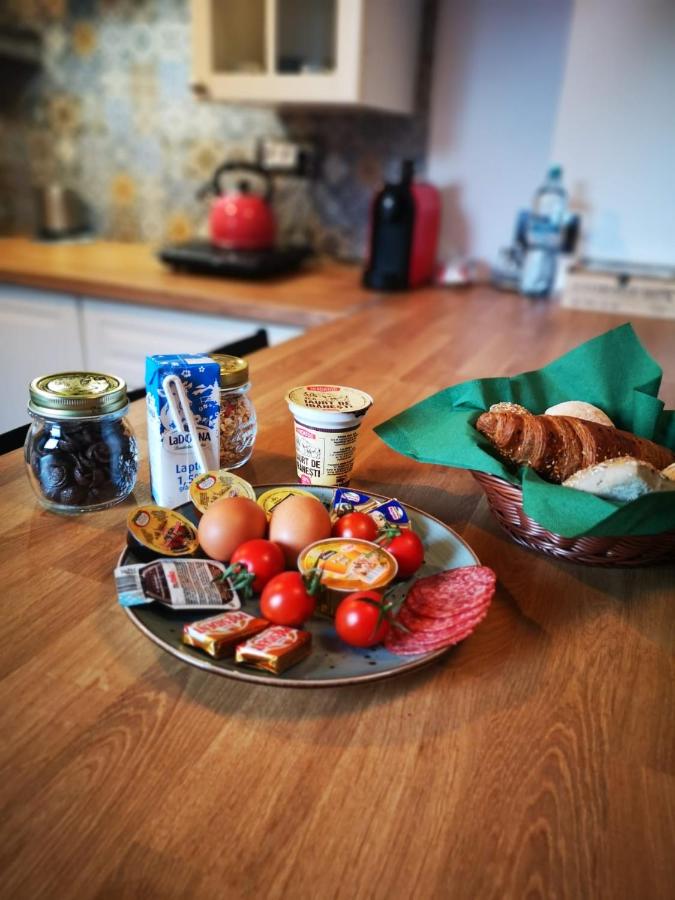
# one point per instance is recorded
(283, 157)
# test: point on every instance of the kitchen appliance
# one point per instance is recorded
(405, 221)
(242, 229)
(205, 258)
(59, 213)
(241, 219)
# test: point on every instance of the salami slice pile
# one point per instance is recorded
(441, 610)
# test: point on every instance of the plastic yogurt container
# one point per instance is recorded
(327, 418)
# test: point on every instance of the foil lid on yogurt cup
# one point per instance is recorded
(329, 398)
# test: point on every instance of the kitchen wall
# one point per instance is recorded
(111, 114)
(615, 129)
(497, 80)
(588, 84)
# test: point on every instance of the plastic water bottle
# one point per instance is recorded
(550, 200)
(544, 236)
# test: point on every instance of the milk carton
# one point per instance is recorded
(173, 464)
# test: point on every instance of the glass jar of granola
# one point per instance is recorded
(238, 425)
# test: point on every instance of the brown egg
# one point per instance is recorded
(297, 522)
(227, 523)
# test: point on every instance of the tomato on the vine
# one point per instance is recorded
(263, 559)
(356, 525)
(285, 600)
(408, 551)
(361, 619)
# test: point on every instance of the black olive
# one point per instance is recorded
(72, 495)
(83, 476)
(100, 452)
(55, 472)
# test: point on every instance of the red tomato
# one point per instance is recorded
(359, 620)
(285, 600)
(262, 558)
(408, 550)
(356, 525)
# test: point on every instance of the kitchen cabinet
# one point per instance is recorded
(40, 334)
(48, 331)
(332, 52)
(117, 337)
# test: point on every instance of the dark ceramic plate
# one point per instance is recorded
(331, 663)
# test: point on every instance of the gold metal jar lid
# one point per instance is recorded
(67, 395)
(233, 369)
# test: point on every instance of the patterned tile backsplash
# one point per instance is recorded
(111, 115)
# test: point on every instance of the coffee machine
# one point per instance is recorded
(404, 226)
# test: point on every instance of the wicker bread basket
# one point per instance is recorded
(506, 502)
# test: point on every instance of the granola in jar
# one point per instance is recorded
(238, 424)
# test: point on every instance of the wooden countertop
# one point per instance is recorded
(320, 292)
(536, 759)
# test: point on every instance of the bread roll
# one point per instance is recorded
(558, 446)
(619, 479)
(579, 410)
(507, 406)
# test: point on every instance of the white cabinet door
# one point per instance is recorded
(118, 337)
(40, 334)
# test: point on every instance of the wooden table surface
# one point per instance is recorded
(320, 292)
(537, 759)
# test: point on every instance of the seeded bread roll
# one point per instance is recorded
(558, 446)
(620, 479)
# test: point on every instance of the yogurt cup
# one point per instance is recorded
(327, 418)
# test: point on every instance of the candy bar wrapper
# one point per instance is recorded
(178, 583)
(218, 635)
(275, 649)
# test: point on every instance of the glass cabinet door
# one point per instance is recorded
(306, 37)
(238, 36)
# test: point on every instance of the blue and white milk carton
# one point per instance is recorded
(173, 463)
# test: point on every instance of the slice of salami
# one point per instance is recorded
(426, 624)
(416, 643)
(439, 633)
(440, 594)
(442, 610)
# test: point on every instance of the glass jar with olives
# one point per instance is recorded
(80, 451)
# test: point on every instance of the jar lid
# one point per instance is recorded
(233, 369)
(71, 394)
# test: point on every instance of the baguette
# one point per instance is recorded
(558, 446)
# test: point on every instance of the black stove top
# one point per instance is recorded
(206, 258)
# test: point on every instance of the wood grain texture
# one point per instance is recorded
(320, 292)
(536, 760)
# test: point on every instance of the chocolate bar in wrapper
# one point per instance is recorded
(275, 649)
(218, 635)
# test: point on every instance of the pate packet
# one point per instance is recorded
(178, 583)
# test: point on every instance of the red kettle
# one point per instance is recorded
(241, 219)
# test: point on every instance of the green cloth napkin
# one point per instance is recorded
(612, 371)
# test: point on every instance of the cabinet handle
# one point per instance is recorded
(199, 88)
